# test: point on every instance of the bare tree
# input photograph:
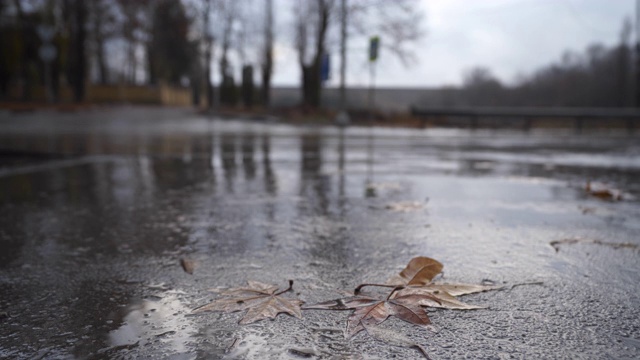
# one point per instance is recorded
(343, 53)
(135, 24)
(103, 22)
(24, 53)
(208, 41)
(78, 61)
(229, 16)
(170, 50)
(315, 16)
(624, 64)
(482, 87)
(398, 22)
(267, 59)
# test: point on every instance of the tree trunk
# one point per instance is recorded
(247, 86)
(312, 84)
(80, 35)
(207, 75)
(102, 65)
(343, 54)
(208, 49)
(267, 67)
(99, 40)
(24, 55)
(151, 67)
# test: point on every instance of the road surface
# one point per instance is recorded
(97, 208)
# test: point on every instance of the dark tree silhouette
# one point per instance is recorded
(170, 52)
(267, 60)
(312, 26)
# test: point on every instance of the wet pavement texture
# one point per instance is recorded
(97, 208)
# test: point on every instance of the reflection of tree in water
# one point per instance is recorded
(314, 186)
(248, 163)
(270, 179)
(184, 161)
(228, 157)
(327, 238)
(341, 175)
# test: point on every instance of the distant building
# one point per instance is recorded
(386, 99)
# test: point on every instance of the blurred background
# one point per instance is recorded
(139, 135)
(280, 54)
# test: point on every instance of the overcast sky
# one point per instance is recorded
(510, 37)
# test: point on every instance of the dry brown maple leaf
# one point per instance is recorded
(405, 206)
(462, 289)
(412, 289)
(369, 311)
(602, 191)
(420, 271)
(441, 298)
(261, 300)
(188, 265)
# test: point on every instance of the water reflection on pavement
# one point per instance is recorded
(98, 208)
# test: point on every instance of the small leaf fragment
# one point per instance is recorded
(463, 289)
(405, 206)
(602, 191)
(420, 271)
(439, 299)
(261, 301)
(404, 308)
(348, 303)
(188, 265)
(556, 243)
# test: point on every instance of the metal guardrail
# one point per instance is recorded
(528, 114)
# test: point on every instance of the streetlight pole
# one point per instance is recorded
(637, 54)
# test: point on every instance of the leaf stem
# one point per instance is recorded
(422, 350)
(285, 290)
(523, 284)
(399, 287)
(359, 288)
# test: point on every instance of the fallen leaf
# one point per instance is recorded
(439, 299)
(587, 210)
(372, 311)
(602, 191)
(556, 243)
(463, 289)
(384, 186)
(412, 291)
(406, 308)
(188, 265)
(347, 303)
(261, 301)
(420, 271)
(405, 206)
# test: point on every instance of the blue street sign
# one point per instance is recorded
(325, 67)
(374, 44)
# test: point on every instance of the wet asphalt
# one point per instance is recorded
(97, 209)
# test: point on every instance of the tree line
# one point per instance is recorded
(600, 76)
(182, 42)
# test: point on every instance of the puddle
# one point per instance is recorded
(328, 208)
(159, 323)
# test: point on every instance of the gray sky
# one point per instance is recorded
(510, 37)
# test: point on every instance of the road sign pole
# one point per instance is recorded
(374, 45)
(47, 53)
(47, 82)
(372, 89)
